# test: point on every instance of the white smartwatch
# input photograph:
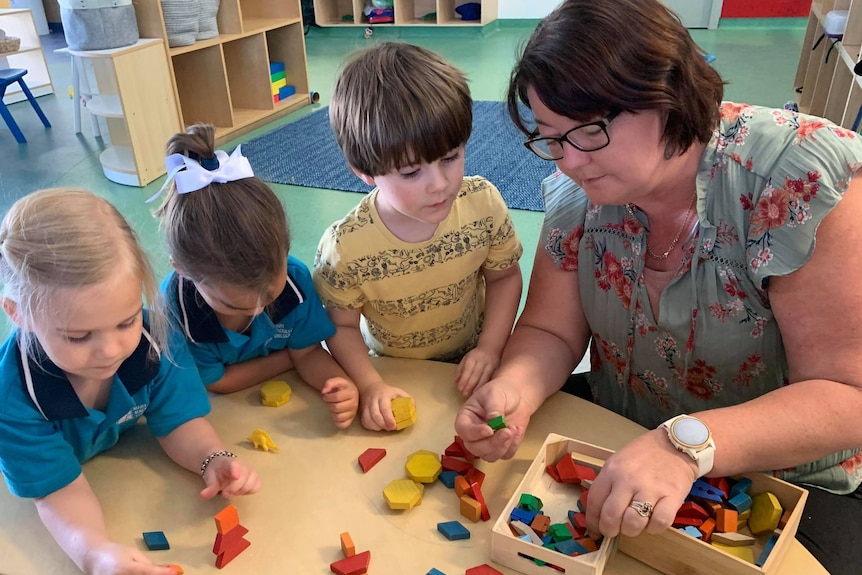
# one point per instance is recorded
(691, 436)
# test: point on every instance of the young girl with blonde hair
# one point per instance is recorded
(85, 362)
(249, 310)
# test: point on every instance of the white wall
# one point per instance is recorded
(693, 13)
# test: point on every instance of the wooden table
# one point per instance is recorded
(314, 489)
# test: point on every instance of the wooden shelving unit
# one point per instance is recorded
(19, 23)
(225, 80)
(830, 88)
(136, 98)
(407, 13)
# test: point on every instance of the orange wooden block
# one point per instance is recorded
(462, 486)
(725, 520)
(356, 565)
(226, 519)
(588, 543)
(471, 509)
(706, 529)
(347, 546)
(177, 569)
(785, 517)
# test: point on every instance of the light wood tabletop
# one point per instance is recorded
(313, 489)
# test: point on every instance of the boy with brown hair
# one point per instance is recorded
(426, 266)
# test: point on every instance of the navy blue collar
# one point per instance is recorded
(200, 322)
(52, 392)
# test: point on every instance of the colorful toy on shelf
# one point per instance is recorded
(281, 90)
(379, 11)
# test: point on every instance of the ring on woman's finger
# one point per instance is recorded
(644, 508)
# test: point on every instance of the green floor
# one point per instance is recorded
(757, 57)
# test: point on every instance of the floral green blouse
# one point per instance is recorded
(767, 179)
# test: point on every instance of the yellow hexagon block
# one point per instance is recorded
(404, 411)
(403, 494)
(423, 466)
(275, 393)
(765, 513)
(262, 440)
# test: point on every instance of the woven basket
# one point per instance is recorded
(10, 44)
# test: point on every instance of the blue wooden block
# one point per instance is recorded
(447, 478)
(741, 486)
(453, 530)
(286, 91)
(704, 490)
(275, 67)
(522, 515)
(741, 502)
(692, 530)
(435, 572)
(156, 541)
(767, 549)
(571, 547)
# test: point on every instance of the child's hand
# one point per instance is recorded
(114, 559)
(376, 405)
(342, 397)
(475, 370)
(230, 476)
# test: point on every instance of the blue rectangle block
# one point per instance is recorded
(435, 572)
(767, 549)
(453, 530)
(447, 478)
(276, 67)
(570, 547)
(156, 541)
(740, 502)
(286, 91)
(522, 515)
(741, 486)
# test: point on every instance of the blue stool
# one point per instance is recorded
(10, 76)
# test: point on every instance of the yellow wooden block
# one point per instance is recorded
(403, 494)
(745, 553)
(765, 513)
(262, 440)
(277, 85)
(404, 411)
(742, 520)
(275, 393)
(423, 466)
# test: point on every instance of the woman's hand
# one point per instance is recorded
(497, 397)
(229, 476)
(342, 398)
(649, 470)
(376, 405)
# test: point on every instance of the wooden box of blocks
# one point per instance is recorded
(558, 499)
(674, 552)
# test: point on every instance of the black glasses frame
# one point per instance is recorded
(564, 139)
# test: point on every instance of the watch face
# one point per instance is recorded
(691, 432)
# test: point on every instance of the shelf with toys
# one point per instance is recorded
(825, 80)
(225, 79)
(334, 13)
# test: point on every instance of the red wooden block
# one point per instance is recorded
(552, 471)
(719, 483)
(226, 519)
(692, 510)
(686, 521)
(356, 565)
(467, 455)
(477, 495)
(475, 476)
(458, 449)
(583, 500)
(588, 543)
(566, 470)
(459, 466)
(230, 554)
(483, 569)
(232, 538)
(370, 457)
(580, 522)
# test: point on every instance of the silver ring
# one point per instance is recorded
(643, 508)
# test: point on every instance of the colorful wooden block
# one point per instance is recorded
(371, 457)
(229, 555)
(460, 466)
(497, 423)
(744, 553)
(448, 478)
(725, 520)
(470, 508)
(226, 519)
(177, 569)
(767, 549)
(483, 569)
(423, 466)
(692, 531)
(404, 411)
(275, 393)
(435, 572)
(356, 565)
(540, 524)
(156, 541)
(733, 539)
(707, 528)
(453, 530)
(765, 513)
(403, 494)
(530, 502)
(229, 540)
(477, 495)
(348, 549)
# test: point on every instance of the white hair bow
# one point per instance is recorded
(190, 176)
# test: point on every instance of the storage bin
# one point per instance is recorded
(98, 24)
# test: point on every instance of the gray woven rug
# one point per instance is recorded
(305, 153)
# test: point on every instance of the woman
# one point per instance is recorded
(681, 232)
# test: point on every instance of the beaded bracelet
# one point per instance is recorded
(211, 456)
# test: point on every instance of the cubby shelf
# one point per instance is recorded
(19, 23)
(830, 88)
(335, 13)
(225, 80)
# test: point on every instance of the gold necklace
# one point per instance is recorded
(665, 255)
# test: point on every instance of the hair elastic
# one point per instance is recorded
(189, 174)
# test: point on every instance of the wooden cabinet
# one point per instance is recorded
(407, 12)
(226, 80)
(19, 23)
(829, 87)
(136, 98)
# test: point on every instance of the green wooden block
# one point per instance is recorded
(277, 76)
(497, 423)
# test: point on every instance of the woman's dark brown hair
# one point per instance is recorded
(233, 232)
(592, 57)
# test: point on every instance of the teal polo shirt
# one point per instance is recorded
(45, 430)
(296, 319)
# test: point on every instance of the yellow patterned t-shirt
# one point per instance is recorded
(422, 300)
